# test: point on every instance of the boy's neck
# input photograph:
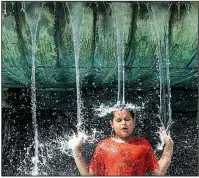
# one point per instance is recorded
(121, 140)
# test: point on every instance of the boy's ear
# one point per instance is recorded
(134, 121)
(111, 123)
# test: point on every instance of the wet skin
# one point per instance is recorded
(123, 124)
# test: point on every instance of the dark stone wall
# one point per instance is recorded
(55, 122)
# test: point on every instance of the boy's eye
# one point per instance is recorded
(118, 120)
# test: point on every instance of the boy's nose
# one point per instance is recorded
(123, 122)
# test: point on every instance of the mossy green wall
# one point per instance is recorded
(55, 63)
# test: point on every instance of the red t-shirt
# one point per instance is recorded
(133, 158)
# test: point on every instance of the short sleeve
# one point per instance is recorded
(97, 162)
(151, 160)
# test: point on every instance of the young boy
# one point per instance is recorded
(124, 154)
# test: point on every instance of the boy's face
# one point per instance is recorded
(122, 123)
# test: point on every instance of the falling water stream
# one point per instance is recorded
(119, 26)
(33, 16)
(75, 10)
(160, 26)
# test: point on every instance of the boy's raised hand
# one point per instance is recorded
(81, 137)
(164, 136)
(78, 140)
(165, 139)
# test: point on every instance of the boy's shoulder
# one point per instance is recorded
(109, 141)
(104, 142)
(140, 140)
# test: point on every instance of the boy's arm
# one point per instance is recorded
(165, 159)
(81, 163)
(79, 159)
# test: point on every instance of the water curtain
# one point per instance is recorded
(32, 14)
(160, 26)
(76, 10)
(119, 17)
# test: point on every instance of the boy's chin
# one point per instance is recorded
(126, 136)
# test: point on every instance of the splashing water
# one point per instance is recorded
(103, 110)
(51, 150)
(66, 144)
(47, 150)
(73, 140)
(164, 136)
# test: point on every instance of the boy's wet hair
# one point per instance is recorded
(120, 108)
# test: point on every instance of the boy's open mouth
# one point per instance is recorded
(124, 129)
